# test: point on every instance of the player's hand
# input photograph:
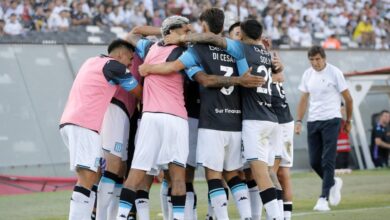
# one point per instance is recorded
(347, 127)
(144, 69)
(298, 128)
(267, 42)
(276, 63)
(250, 81)
(172, 38)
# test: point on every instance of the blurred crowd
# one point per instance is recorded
(289, 23)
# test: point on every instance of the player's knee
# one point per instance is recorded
(86, 178)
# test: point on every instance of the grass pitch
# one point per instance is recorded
(365, 195)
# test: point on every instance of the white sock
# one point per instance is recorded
(79, 204)
(270, 203)
(189, 207)
(92, 198)
(279, 196)
(195, 211)
(287, 210)
(142, 204)
(241, 197)
(210, 210)
(255, 200)
(218, 198)
(114, 204)
(164, 199)
(105, 196)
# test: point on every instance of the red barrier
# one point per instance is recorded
(10, 185)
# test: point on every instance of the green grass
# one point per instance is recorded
(366, 195)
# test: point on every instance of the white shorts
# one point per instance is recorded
(85, 148)
(287, 141)
(256, 136)
(219, 150)
(162, 139)
(193, 139)
(276, 145)
(115, 131)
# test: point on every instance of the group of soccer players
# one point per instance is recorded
(216, 103)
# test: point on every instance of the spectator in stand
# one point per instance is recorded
(79, 17)
(39, 19)
(59, 5)
(26, 15)
(275, 33)
(101, 19)
(59, 22)
(294, 34)
(12, 10)
(364, 33)
(138, 18)
(148, 17)
(332, 43)
(382, 44)
(284, 38)
(157, 21)
(2, 24)
(305, 37)
(13, 26)
(116, 18)
(343, 145)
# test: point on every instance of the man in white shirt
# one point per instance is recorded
(321, 86)
(13, 26)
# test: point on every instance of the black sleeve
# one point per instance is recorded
(176, 53)
(114, 70)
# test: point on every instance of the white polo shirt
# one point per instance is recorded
(324, 90)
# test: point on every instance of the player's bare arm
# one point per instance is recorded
(213, 81)
(206, 38)
(302, 106)
(348, 105)
(161, 68)
(140, 31)
(277, 65)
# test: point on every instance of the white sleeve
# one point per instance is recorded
(303, 85)
(341, 84)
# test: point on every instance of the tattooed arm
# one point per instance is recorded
(207, 38)
(140, 31)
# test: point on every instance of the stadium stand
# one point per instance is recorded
(289, 23)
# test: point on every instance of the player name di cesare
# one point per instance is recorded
(221, 56)
(227, 111)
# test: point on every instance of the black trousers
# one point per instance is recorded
(322, 140)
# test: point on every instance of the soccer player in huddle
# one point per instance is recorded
(259, 119)
(220, 113)
(81, 123)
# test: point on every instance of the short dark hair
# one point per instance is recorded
(384, 112)
(214, 17)
(252, 28)
(118, 43)
(314, 50)
(236, 24)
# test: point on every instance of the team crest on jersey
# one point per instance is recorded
(118, 147)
